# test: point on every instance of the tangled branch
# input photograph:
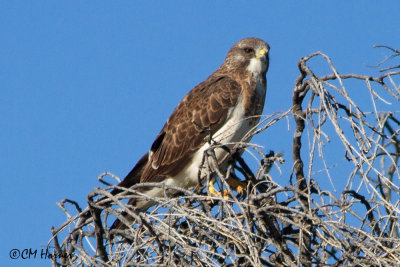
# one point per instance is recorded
(307, 221)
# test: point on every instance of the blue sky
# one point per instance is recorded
(86, 86)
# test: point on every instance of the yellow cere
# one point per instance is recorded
(262, 52)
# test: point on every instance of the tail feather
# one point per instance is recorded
(134, 175)
(118, 225)
(131, 179)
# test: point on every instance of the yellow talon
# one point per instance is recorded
(236, 184)
(213, 191)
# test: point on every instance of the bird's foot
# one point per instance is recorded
(237, 185)
(213, 191)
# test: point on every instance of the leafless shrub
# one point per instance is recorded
(308, 221)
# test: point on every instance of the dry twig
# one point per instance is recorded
(306, 222)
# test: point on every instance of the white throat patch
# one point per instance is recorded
(256, 66)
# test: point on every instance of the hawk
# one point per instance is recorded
(225, 106)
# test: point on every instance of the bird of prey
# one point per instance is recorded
(225, 106)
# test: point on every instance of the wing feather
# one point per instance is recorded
(204, 109)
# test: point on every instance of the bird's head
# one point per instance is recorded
(250, 54)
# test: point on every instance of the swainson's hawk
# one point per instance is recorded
(226, 105)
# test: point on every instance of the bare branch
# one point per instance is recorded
(351, 221)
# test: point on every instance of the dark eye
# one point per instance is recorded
(248, 50)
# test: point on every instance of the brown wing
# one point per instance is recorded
(204, 109)
(134, 175)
